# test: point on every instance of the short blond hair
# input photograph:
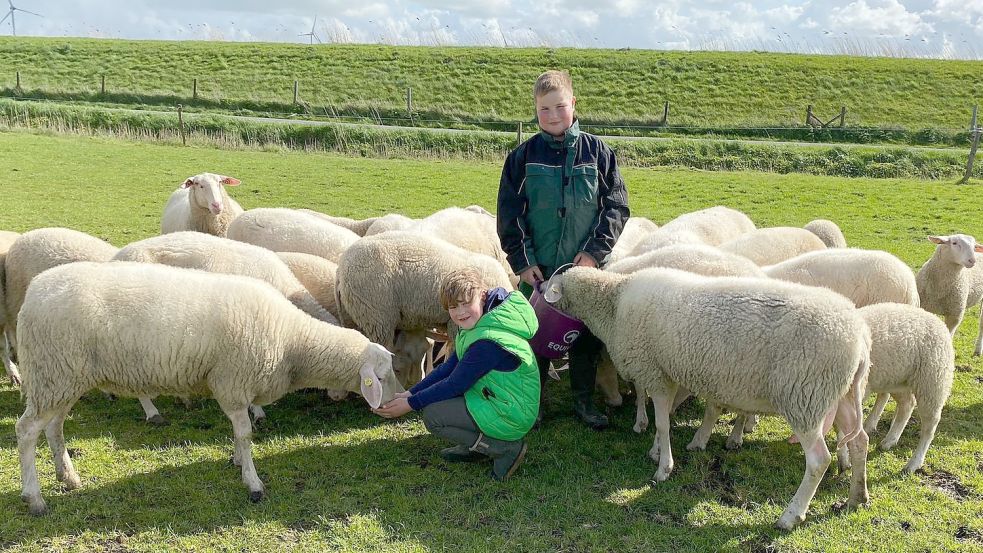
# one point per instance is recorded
(550, 81)
(460, 286)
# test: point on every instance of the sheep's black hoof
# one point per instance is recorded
(158, 420)
(255, 497)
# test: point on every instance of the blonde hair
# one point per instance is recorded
(550, 81)
(460, 286)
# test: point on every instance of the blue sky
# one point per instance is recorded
(926, 28)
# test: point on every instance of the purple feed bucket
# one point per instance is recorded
(557, 330)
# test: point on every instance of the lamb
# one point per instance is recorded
(391, 282)
(911, 358)
(357, 226)
(864, 276)
(952, 281)
(828, 232)
(6, 240)
(34, 252)
(713, 226)
(142, 329)
(289, 230)
(753, 345)
(201, 204)
(767, 246)
(636, 229)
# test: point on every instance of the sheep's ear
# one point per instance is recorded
(230, 181)
(188, 183)
(370, 386)
(938, 239)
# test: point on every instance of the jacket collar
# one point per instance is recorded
(569, 136)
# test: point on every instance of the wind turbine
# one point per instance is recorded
(310, 34)
(10, 14)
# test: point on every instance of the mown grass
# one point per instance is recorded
(340, 478)
(924, 101)
(366, 141)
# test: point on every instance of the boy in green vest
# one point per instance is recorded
(485, 398)
(562, 200)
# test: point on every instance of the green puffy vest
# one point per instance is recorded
(505, 404)
(558, 238)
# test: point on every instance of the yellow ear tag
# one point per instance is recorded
(367, 382)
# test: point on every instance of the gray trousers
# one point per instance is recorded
(451, 420)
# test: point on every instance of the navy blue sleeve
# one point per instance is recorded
(613, 209)
(482, 357)
(439, 373)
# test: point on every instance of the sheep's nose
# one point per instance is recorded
(216, 207)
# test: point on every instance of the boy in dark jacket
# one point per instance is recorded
(485, 398)
(562, 200)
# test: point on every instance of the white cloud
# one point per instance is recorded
(889, 17)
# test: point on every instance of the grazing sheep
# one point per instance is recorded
(467, 229)
(713, 226)
(767, 246)
(391, 281)
(753, 345)
(317, 275)
(6, 239)
(392, 221)
(143, 329)
(289, 230)
(951, 281)
(357, 226)
(864, 276)
(828, 232)
(201, 204)
(911, 358)
(31, 254)
(636, 229)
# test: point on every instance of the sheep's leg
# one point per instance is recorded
(242, 430)
(817, 461)
(607, 382)
(870, 425)
(736, 438)
(750, 423)
(952, 322)
(843, 462)
(8, 365)
(906, 403)
(64, 469)
(929, 412)
(641, 415)
(847, 420)
(259, 415)
(28, 429)
(663, 401)
(978, 348)
(150, 410)
(710, 416)
(682, 394)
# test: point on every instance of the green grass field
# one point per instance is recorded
(340, 478)
(705, 89)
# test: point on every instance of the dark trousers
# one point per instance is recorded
(451, 420)
(584, 355)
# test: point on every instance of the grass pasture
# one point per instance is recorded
(340, 478)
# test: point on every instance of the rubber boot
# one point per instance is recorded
(583, 374)
(506, 456)
(544, 367)
(460, 454)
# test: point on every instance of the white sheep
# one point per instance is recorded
(749, 344)
(317, 275)
(201, 204)
(290, 230)
(864, 276)
(391, 281)
(34, 252)
(358, 226)
(713, 226)
(951, 281)
(6, 240)
(911, 358)
(636, 229)
(767, 246)
(392, 221)
(468, 229)
(142, 329)
(827, 231)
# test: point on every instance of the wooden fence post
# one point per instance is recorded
(194, 89)
(180, 122)
(977, 131)
(518, 135)
(809, 116)
(18, 81)
(296, 88)
(842, 116)
(103, 85)
(665, 114)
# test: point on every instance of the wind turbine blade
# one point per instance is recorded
(318, 39)
(5, 17)
(32, 13)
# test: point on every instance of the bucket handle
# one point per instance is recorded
(563, 267)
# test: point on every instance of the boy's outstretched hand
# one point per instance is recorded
(396, 408)
(531, 276)
(585, 259)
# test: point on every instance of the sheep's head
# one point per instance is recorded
(409, 351)
(959, 248)
(377, 381)
(206, 191)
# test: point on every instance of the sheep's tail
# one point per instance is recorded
(857, 388)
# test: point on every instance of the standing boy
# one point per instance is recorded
(562, 200)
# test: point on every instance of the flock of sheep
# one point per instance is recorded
(246, 306)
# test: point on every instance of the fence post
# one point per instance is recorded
(18, 81)
(518, 135)
(842, 116)
(977, 131)
(665, 114)
(809, 116)
(296, 86)
(103, 85)
(180, 122)
(409, 102)
(194, 89)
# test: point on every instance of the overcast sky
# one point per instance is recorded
(922, 28)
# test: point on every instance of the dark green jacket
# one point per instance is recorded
(559, 198)
(504, 404)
